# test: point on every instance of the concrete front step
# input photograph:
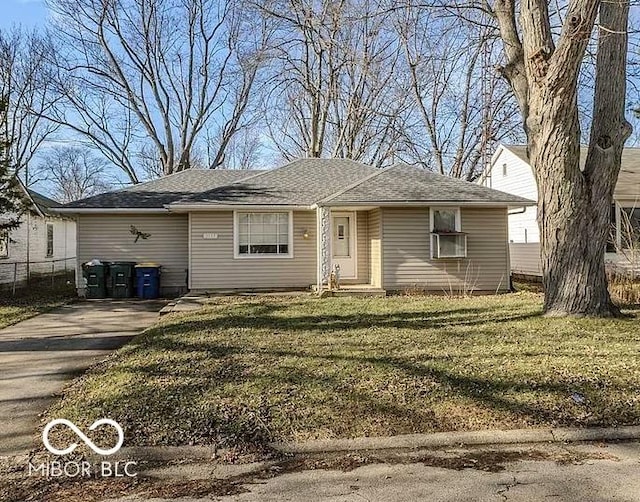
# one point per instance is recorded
(366, 292)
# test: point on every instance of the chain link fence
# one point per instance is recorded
(16, 277)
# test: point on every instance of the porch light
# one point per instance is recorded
(305, 234)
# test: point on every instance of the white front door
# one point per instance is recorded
(343, 243)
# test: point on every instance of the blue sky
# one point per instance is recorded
(25, 12)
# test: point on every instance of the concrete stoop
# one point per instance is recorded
(357, 292)
(184, 304)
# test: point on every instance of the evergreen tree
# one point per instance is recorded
(11, 194)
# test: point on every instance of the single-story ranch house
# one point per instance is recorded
(387, 229)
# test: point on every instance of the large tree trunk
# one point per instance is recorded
(574, 223)
(575, 203)
(570, 221)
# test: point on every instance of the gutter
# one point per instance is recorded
(112, 210)
(183, 208)
(426, 203)
(186, 208)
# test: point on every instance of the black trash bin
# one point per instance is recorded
(148, 280)
(95, 273)
(122, 274)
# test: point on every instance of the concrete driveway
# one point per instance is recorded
(39, 356)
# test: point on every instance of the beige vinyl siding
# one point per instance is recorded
(375, 247)
(362, 250)
(214, 267)
(108, 237)
(407, 259)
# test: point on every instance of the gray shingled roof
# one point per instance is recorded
(46, 205)
(628, 185)
(404, 183)
(301, 183)
(158, 193)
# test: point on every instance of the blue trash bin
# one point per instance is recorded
(148, 281)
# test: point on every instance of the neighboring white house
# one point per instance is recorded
(510, 171)
(45, 242)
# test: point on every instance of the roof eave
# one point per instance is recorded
(188, 208)
(112, 210)
(34, 205)
(426, 203)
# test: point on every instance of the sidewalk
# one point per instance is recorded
(532, 472)
(557, 470)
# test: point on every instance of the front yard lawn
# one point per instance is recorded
(246, 371)
(29, 302)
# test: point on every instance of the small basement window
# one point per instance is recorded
(263, 234)
(49, 240)
(447, 241)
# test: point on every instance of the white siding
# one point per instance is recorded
(109, 238)
(518, 180)
(407, 259)
(214, 267)
(32, 235)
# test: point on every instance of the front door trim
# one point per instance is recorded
(353, 232)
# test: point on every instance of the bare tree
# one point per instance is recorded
(74, 172)
(332, 88)
(26, 84)
(156, 72)
(543, 70)
(463, 109)
(244, 151)
(12, 203)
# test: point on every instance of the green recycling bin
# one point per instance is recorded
(122, 274)
(95, 274)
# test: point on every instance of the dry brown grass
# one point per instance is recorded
(246, 371)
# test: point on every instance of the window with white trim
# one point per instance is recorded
(263, 234)
(4, 244)
(447, 241)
